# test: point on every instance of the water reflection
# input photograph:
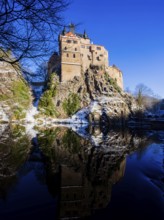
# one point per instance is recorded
(14, 150)
(66, 175)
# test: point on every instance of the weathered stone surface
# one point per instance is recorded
(8, 99)
(111, 102)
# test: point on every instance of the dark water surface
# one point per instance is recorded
(61, 175)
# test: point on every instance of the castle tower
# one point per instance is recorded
(70, 55)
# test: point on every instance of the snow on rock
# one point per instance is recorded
(30, 131)
(96, 140)
(3, 115)
(3, 128)
(30, 114)
(80, 116)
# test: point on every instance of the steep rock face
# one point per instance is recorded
(94, 90)
(15, 95)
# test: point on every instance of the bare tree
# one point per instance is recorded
(29, 28)
(145, 97)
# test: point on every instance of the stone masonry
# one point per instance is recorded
(77, 54)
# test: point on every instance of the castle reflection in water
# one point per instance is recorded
(80, 171)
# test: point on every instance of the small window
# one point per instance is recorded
(67, 55)
(98, 48)
(101, 55)
(69, 41)
(89, 58)
(75, 42)
(82, 46)
(74, 55)
(75, 49)
(65, 48)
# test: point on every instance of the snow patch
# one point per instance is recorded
(30, 114)
(3, 115)
(30, 131)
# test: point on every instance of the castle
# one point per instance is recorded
(77, 54)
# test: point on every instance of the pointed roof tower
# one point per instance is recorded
(72, 28)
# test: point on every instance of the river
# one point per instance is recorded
(92, 174)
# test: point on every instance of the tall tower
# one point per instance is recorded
(70, 54)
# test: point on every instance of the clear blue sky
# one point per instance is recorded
(133, 33)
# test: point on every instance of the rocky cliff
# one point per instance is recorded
(95, 92)
(15, 95)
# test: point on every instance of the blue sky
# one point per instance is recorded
(133, 33)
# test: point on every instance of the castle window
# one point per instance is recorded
(75, 49)
(82, 46)
(68, 41)
(67, 55)
(65, 48)
(74, 55)
(89, 58)
(98, 48)
(101, 55)
(75, 42)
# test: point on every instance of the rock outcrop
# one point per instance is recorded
(94, 91)
(15, 95)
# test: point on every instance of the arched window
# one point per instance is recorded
(74, 55)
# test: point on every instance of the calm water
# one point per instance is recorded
(93, 175)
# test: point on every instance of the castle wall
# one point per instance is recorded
(77, 53)
(69, 71)
(116, 74)
(54, 63)
(100, 55)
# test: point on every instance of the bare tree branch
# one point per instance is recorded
(29, 28)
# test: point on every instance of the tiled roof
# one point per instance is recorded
(70, 34)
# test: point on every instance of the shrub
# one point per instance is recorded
(71, 104)
(112, 81)
(46, 105)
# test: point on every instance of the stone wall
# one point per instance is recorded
(116, 74)
(70, 70)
